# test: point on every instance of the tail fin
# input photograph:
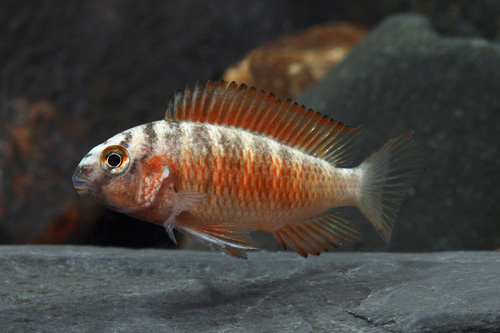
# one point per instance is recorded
(386, 176)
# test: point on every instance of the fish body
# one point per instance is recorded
(227, 160)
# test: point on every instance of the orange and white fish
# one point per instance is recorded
(227, 160)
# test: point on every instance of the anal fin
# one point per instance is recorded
(318, 234)
(229, 240)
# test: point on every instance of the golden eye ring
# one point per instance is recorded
(115, 160)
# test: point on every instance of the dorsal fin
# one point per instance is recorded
(220, 103)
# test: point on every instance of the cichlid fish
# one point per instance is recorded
(227, 160)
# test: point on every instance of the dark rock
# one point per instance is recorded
(74, 74)
(37, 149)
(98, 67)
(403, 75)
(82, 289)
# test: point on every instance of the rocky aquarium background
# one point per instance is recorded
(75, 73)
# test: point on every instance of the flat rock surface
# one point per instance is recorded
(90, 289)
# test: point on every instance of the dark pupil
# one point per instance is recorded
(114, 160)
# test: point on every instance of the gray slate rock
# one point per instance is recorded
(404, 75)
(89, 289)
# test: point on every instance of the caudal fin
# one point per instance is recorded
(386, 176)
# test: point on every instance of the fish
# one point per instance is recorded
(228, 160)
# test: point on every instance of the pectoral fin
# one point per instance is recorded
(181, 201)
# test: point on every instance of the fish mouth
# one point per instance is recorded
(83, 187)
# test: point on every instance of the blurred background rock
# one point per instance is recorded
(74, 73)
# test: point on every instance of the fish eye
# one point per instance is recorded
(114, 160)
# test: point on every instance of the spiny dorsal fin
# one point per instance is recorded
(220, 103)
(318, 234)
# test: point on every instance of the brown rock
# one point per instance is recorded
(38, 203)
(292, 63)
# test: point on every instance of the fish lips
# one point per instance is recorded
(83, 189)
(82, 186)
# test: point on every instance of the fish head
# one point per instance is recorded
(123, 176)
